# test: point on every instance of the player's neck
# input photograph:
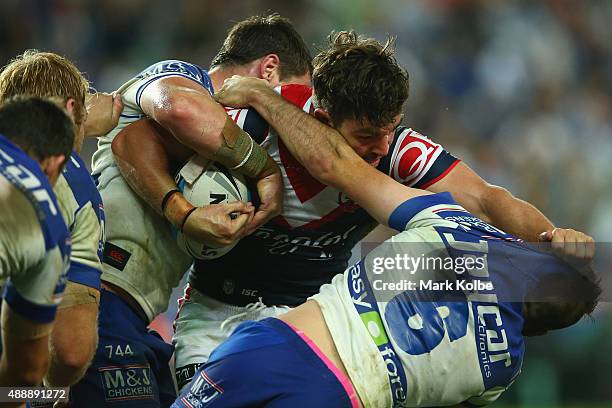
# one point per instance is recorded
(219, 74)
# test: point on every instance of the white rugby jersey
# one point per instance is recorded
(34, 240)
(459, 345)
(311, 241)
(140, 254)
(81, 207)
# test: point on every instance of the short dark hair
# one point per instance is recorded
(258, 36)
(560, 301)
(359, 78)
(38, 126)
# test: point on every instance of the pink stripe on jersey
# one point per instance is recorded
(344, 380)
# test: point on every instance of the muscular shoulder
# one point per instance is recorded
(132, 90)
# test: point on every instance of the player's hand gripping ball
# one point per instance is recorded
(222, 195)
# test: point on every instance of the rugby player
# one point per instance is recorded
(352, 345)
(47, 74)
(359, 89)
(36, 138)
(397, 347)
(141, 260)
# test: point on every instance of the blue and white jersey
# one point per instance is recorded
(131, 93)
(34, 240)
(140, 255)
(436, 328)
(81, 206)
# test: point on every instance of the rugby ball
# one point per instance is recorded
(203, 183)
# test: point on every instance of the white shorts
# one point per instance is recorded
(203, 323)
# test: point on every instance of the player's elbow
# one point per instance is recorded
(75, 360)
(321, 168)
(69, 363)
(331, 168)
(178, 109)
(490, 199)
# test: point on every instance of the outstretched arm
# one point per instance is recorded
(493, 204)
(322, 150)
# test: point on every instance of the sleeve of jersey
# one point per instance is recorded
(251, 122)
(85, 267)
(85, 216)
(35, 292)
(35, 264)
(406, 213)
(132, 91)
(416, 161)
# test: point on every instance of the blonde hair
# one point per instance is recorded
(45, 74)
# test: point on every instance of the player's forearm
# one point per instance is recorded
(63, 375)
(513, 215)
(144, 164)
(25, 354)
(75, 323)
(315, 145)
(493, 204)
(187, 110)
(193, 117)
(329, 158)
(103, 111)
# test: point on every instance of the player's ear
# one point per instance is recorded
(323, 116)
(70, 107)
(269, 69)
(52, 167)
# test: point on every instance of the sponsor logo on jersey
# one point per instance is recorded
(202, 391)
(365, 304)
(185, 374)
(126, 383)
(115, 256)
(312, 244)
(27, 182)
(413, 158)
(179, 67)
(490, 331)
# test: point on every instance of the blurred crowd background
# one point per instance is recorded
(520, 90)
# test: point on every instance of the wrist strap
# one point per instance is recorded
(187, 216)
(167, 197)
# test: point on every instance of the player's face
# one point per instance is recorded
(370, 142)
